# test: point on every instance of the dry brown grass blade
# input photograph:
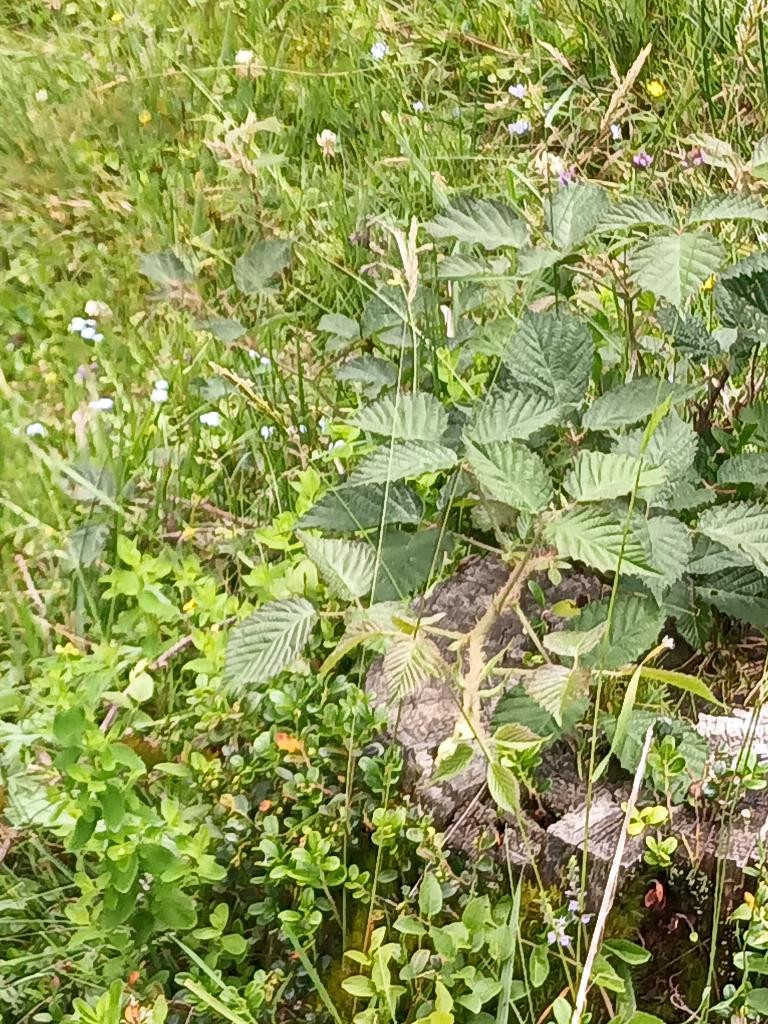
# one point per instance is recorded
(624, 87)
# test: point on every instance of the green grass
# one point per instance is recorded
(118, 138)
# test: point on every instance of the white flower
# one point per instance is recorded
(518, 91)
(101, 404)
(302, 428)
(243, 57)
(616, 132)
(76, 324)
(210, 419)
(335, 444)
(323, 424)
(519, 127)
(89, 333)
(265, 360)
(327, 140)
(158, 395)
(41, 95)
(548, 165)
(267, 432)
(95, 308)
(36, 430)
(379, 50)
(161, 384)
(668, 642)
(418, 106)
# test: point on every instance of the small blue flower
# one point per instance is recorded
(379, 50)
(519, 127)
(518, 91)
(418, 106)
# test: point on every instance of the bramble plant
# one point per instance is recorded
(309, 304)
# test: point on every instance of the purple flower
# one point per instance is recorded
(518, 91)
(642, 159)
(567, 176)
(519, 127)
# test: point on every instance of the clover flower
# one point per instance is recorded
(642, 159)
(519, 127)
(327, 140)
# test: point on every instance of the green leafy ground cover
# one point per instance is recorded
(301, 304)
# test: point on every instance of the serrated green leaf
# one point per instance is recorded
(347, 566)
(254, 270)
(485, 222)
(268, 641)
(403, 460)
(593, 535)
(454, 764)
(633, 212)
(747, 280)
(597, 476)
(516, 736)
(407, 560)
(573, 643)
(690, 333)
(407, 417)
(547, 685)
(164, 268)
(635, 626)
(353, 507)
(512, 474)
(372, 372)
(511, 416)
(669, 546)
(551, 353)
(409, 662)
(739, 526)
(730, 206)
(709, 557)
(674, 267)
(738, 592)
(503, 787)
(458, 267)
(693, 619)
(674, 446)
(533, 261)
(747, 468)
(573, 212)
(629, 403)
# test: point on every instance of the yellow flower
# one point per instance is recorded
(117, 17)
(145, 117)
(749, 899)
(709, 284)
(189, 606)
(655, 89)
